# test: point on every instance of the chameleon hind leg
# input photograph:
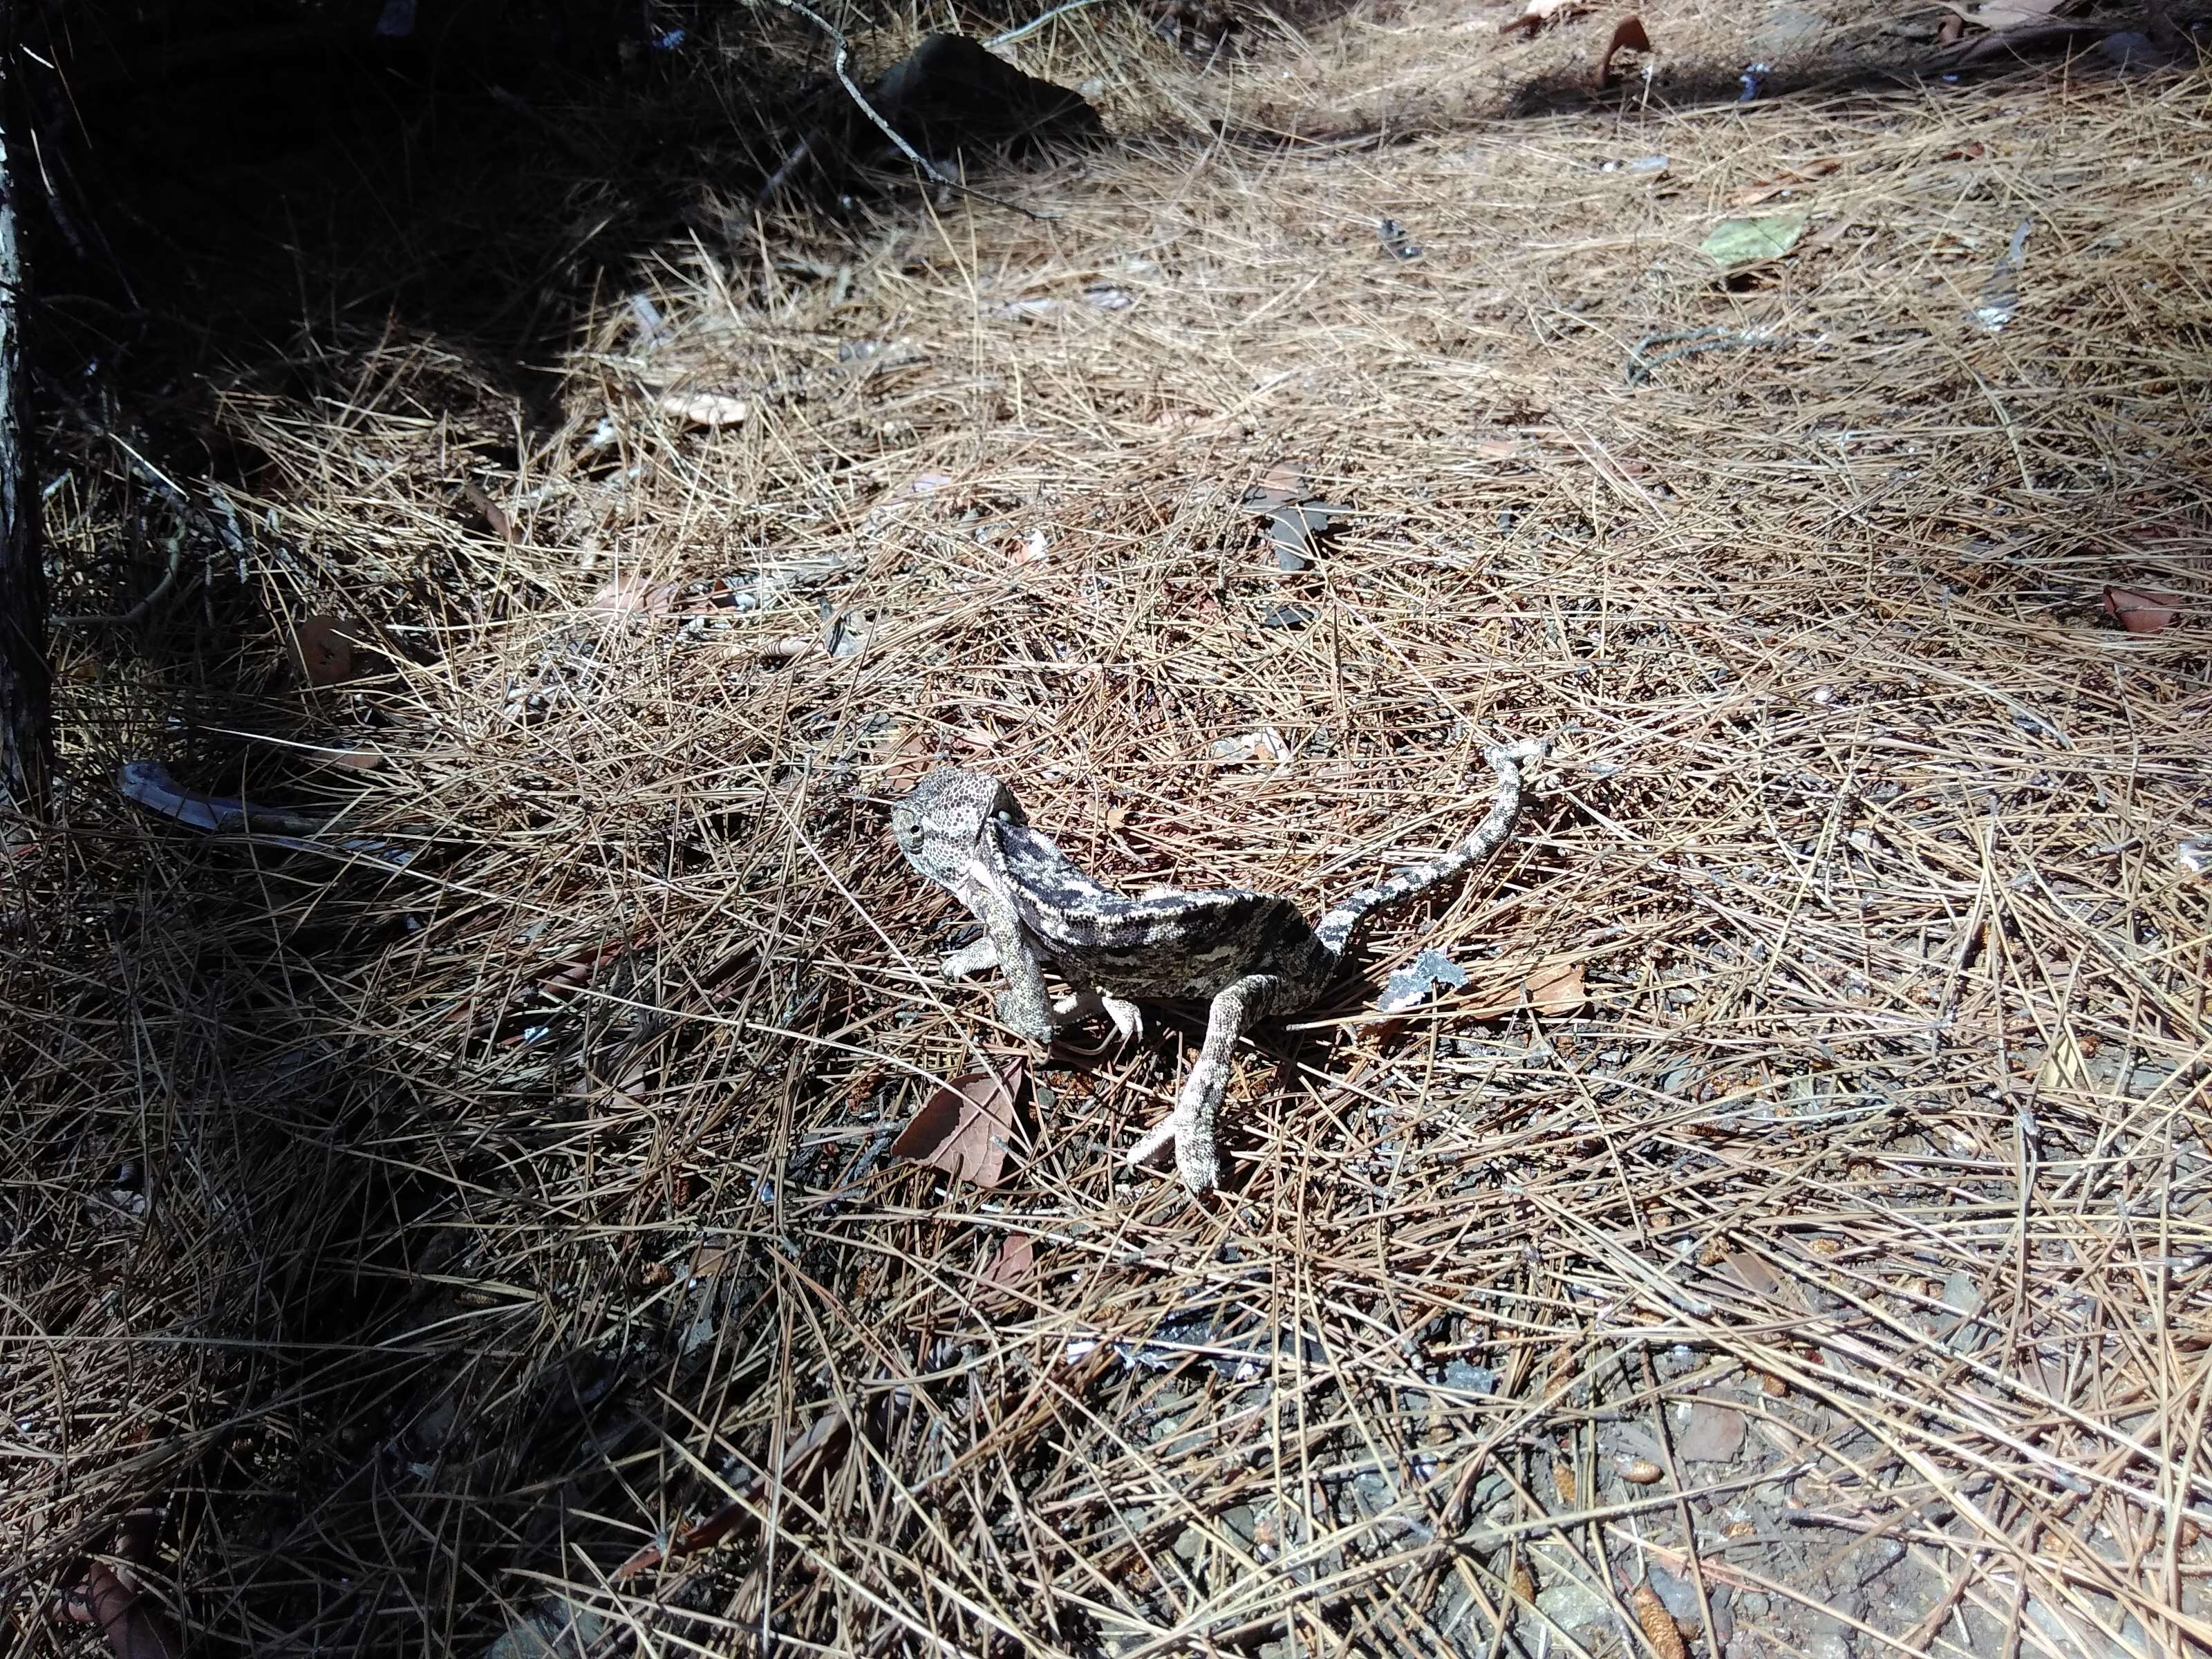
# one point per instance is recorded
(1191, 1124)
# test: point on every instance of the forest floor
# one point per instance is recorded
(479, 1213)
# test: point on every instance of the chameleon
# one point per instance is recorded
(1247, 954)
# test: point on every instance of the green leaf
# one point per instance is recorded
(1733, 242)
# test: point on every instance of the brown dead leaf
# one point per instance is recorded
(1628, 35)
(1556, 992)
(1010, 1266)
(323, 656)
(1756, 1276)
(2140, 611)
(630, 593)
(1549, 987)
(494, 514)
(135, 1625)
(966, 1127)
(1538, 14)
(909, 763)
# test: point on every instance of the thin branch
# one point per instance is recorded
(1036, 23)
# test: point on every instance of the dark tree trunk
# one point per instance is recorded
(25, 682)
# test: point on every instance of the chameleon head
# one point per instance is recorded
(940, 823)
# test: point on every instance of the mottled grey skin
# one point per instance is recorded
(1248, 954)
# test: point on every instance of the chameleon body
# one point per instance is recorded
(1248, 955)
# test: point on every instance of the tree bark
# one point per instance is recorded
(26, 679)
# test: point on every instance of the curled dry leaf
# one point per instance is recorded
(1628, 35)
(2140, 610)
(1658, 1624)
(321, 652)
(707, 409)
(494, 515)
(967, 1127)
(135, 1625)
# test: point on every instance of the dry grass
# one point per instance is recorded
(432, 1233)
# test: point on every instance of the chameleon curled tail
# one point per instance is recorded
(1337, 931)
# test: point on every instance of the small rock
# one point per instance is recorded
(1287, 616)
(1679, 1594)
(1573, 1604)
(1474, 1379)
(1790, 28)
(1375, 1493)
(1708, 1433)
(435, 1426)
(554, 1629)
(1830, 1639)
(2127, 50)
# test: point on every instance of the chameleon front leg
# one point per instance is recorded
(1190, 1125)
(969, 960)
(983, 955)
(1024, 1004)
(1128, 1018)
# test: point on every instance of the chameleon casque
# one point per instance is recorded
(1249, 954)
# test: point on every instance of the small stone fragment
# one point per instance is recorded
(1708, 1433)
